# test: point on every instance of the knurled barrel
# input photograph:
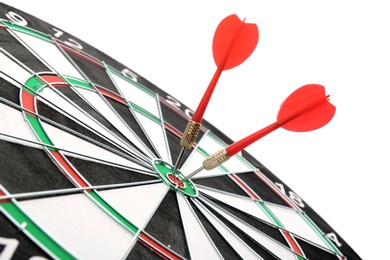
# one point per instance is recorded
(215, 159)
(190, 134)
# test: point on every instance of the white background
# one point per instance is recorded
(341, 170)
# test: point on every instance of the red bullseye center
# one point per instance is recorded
(176, 181)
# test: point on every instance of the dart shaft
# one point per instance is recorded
(245, 142)
(179, 158)
(200, 110)
(189, 176)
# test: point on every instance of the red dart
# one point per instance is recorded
(306, 109)
(234, 41)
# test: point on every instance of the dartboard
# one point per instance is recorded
(87, 151)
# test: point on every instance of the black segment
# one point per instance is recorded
(96, 74)
(26, 248)
(223, 183)
(29, 169)
(9, 91)
(102, 174)
(16, 49)
(131, 121)
(261, 188)
(166, 225)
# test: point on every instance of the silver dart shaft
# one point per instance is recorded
(192, 174)
(179, 158)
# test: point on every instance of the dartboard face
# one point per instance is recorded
(87, 151)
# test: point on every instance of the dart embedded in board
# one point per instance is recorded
(233, 42)
(306, 109)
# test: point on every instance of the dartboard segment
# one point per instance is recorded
(136, 203)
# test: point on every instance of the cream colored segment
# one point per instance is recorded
(156, 135)
(72, 143)
(99, 104)
(137, 96)
(49, 52)
(13, 69)
(80, 226)
(13, 123)
(271, 244)
(238, 245)
(137, 204)
(295, 223)
(199, 243)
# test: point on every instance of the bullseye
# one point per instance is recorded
(174, 182)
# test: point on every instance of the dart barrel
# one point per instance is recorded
(190, 134)
(216, 159)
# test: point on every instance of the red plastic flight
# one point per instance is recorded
(306, 109)
(234, 41)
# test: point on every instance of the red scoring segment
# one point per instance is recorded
(176, 181)
(234, 41)
(306, 109)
